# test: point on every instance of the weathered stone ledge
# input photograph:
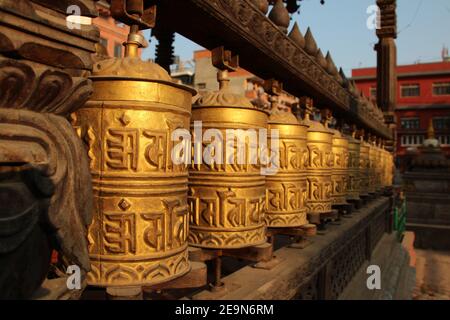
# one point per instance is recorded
(397, 275)
(321, 270)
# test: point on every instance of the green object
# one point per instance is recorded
(400, 219)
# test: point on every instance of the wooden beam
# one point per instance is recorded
(265, 51)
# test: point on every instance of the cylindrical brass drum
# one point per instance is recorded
(378, 168)
(339, 176)
(390, 169)
(353, 183)
(389, 165)
(320, 164)
(287, 189)
(227, 195)
(140, 223)
(364, 168)
(372, 168)
(383, 173)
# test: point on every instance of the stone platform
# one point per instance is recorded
(323, 270)
(397, 272)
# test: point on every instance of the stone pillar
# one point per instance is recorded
(387, 65)
(387, 56)
(45, 183)
(164, 48)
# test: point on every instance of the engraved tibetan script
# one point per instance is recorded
(122, 149)
(167, 228)
(119, 232)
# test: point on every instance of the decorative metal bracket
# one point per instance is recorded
(134, 12)
(224, 59)
(273, 87)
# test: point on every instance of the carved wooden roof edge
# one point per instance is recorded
(244, 23)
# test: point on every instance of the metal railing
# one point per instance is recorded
(399, 217)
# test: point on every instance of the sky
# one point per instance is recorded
(340, 26)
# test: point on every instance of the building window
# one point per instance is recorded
(441, 89)
(373, 92)
(444, 140)
(441, 123)
(118, 50)
(410, 123)
(410, 90)
(104, 42)
(119, 24)
(201, 86)
(411, 140)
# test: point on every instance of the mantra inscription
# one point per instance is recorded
(286, 191)
(224, 218)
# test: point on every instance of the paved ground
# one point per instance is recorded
(432, 275)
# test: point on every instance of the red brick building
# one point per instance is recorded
(423, 95)
(241, 81)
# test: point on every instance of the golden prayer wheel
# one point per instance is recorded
(378, 168)
(390, 168)
(287, 190)
(364, 168)
(320, 164)
(140, 223)
(339, 176)
(383, 173)
(389, 164)
(227, 198)
(353, 183)
(372, 168)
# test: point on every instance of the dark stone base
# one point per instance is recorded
(344, 209)
(427, 236)
(357, 203)
(397, 275)
(323, 218)
(318, 271)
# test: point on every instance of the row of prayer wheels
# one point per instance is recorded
(148, 208)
